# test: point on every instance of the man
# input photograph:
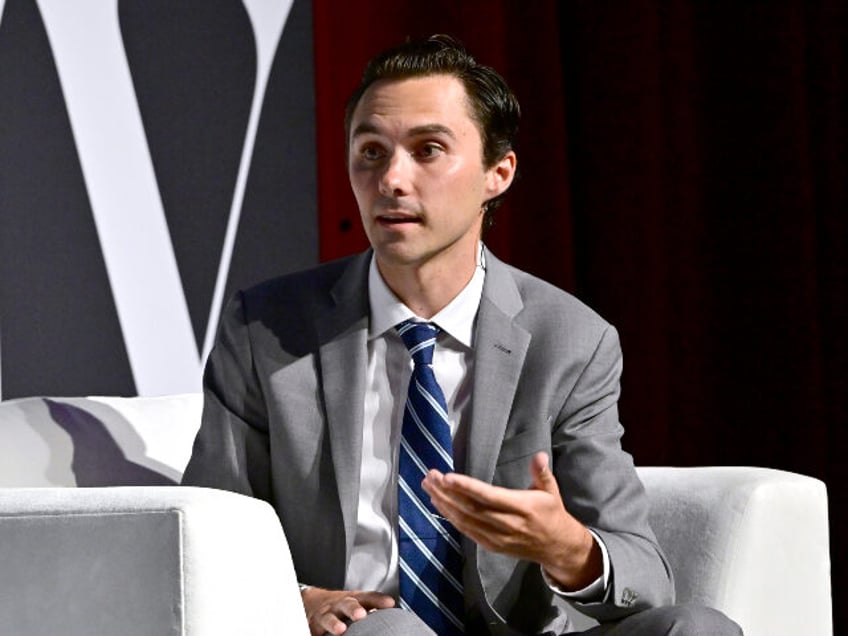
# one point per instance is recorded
(523, 501)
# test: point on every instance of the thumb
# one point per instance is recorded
(543, 479)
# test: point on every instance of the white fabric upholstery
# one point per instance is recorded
(151, 560)
(752, 542)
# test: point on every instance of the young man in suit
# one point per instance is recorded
(313, 401)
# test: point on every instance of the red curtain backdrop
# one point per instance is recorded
(684, 170)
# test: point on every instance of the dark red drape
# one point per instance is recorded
(685, 172)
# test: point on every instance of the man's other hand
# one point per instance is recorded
(530, 524)
(327, 610)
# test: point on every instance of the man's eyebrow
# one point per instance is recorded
(431, 129)
(366, 128)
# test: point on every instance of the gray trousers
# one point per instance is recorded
(675, 620)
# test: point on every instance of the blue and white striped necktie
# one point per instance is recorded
(429, 546)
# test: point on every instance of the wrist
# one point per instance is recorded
(576, 566)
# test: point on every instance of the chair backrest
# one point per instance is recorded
(97, 441)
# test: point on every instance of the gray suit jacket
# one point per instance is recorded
(283, 413)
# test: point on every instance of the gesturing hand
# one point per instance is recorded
(326, 610)
(528, 524)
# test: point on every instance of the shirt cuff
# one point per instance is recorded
(596, 590)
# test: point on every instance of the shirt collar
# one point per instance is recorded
(456, 318)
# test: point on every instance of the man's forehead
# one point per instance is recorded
(429, 104)
(371, 127)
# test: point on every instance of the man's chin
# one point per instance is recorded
(397, 255)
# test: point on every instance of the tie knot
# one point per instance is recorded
(419, 338)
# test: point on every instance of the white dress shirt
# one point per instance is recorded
(374, 559)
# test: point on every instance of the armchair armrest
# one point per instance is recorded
(752, 542)
(144, 560)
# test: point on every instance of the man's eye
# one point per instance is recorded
(428, 151)
(372, 153)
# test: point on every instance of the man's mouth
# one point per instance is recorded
(397, 219)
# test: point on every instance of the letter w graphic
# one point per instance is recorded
(106, 120)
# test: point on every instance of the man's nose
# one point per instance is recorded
(396, 174)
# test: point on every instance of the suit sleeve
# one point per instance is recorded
(231, 449)
(601, 488)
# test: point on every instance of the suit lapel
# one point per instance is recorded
(500, 348)
(343, 355)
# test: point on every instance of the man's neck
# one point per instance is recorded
(427, 288)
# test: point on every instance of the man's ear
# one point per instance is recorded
(499, 177)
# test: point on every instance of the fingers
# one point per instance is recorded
(371, 601)
(466, 501)
(474, 490)
(539, 465)
(543, 478)
(330, 620)
(492, 498)
(487, 514)
(462, 511)
(492, 530)
(329, 611)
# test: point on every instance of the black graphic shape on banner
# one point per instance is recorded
(58, 321)
(193, 66)
(279, 223)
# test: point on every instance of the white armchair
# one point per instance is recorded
(752, 542)
(128, 551)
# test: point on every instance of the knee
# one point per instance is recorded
(697, 620)
(388, 622)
